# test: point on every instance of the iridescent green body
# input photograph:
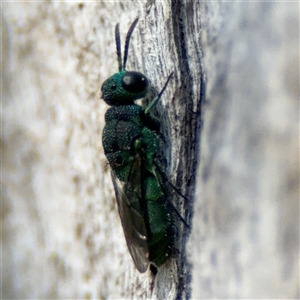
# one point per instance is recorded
(123, 127)
(131, 144)
(130, 147)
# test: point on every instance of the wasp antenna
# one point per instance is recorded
(154, 102)
(128, 36)
(165, 86)
(118, 46)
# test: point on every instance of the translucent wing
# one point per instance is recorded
(129, 199)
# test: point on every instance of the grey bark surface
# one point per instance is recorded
(245, 240)
(230, 126)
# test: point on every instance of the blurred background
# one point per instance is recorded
(236, 63)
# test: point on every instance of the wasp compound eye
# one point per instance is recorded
(134, 82)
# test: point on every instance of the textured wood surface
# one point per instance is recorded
(230, 120)
(245, 240)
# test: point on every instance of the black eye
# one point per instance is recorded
(114, 86)
(134, 82)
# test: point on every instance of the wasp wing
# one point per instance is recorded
(129, 197)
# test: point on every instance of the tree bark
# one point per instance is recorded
(229, 121)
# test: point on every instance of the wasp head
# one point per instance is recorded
(124, 87)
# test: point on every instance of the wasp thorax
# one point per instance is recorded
(134, 82)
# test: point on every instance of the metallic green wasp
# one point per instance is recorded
(131, 143)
